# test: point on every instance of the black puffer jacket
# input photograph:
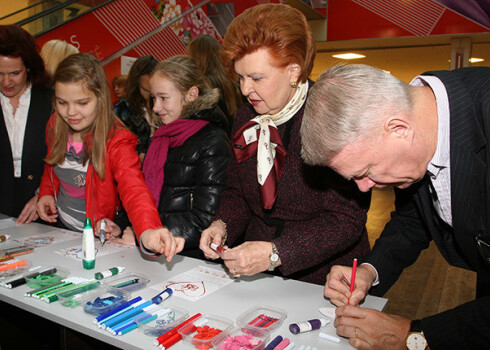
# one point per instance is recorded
(195, 174)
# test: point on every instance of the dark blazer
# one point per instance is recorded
(415, 223)
(318, 219)
(33, 153)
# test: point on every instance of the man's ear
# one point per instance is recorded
(192, 94)
(398, 126)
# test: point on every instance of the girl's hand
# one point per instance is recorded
(215, 233)
(128, 237)
(112, 231)
(162, 241)
(29, 213)
(46, 208)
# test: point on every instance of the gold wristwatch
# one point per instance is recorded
(415, 338)
(273, 258)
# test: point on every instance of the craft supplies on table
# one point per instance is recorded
(164, 322)
(263, 317)
(242, 337)
(46, 277)
(99, 302)
(129, 282)
(200, 332)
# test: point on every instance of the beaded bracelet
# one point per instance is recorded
(226, 232)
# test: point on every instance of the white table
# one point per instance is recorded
(301, 300)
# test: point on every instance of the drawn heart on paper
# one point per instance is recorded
(190, 289)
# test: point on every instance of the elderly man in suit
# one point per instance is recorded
(429, 139)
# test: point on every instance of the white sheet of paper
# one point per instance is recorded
(47, 238)
(196, 283)
(76, 251)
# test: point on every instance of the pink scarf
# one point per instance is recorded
(166, 136)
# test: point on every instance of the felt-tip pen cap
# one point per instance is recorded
(157, 299)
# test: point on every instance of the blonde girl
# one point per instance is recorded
(92, 161)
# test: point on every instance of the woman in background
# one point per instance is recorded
(26, 105)
(205, 51)
(135, 110)
(290, 216)
(55, 51)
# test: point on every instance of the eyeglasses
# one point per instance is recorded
(483, 245)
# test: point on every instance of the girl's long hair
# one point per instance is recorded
(205, 51)
(86, 69)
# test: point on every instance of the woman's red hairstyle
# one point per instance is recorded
(278, 27)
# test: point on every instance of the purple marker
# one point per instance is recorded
(307, 326)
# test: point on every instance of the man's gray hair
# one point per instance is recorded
(348, 102)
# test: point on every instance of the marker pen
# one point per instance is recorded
(218, 248)
(127, 283)
(116, 310)
(307, 326)
(329, 337)
(102, 232)
(157, 299)
(88, 246)
(108, 273)
(274, 343)
(3, 238)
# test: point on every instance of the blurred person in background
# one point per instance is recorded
(205, 51)
(26, 105)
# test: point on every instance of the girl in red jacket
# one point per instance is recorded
(92, 159)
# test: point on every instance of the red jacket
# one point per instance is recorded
(123, 179)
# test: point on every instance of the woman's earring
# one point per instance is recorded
(293, 84)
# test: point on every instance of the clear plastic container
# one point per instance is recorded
(128, 282)
(50, 275)
(14, 267)
(256, 338)
(162, 324)
(200, 332)
(263, 317)
(75, 297)
(103, 300)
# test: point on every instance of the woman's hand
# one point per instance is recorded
(112, 231)
(29, 213)
(248, 258)
(215, 233)
(46, 208)
(162, 241)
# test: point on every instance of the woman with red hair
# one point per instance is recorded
(26, 105)
(277, 212)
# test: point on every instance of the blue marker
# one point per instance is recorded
(145, 318)
(98, 319)
(129, 319)
(126, 315)
(102, 324)
(157, 299)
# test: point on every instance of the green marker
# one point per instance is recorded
(127, 283)
(109, 273)
(88, 246)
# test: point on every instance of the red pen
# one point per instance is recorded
(216, 247)
(173, 331)
(353, 277)
(170, 341)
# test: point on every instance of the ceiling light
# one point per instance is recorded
(348, 56)
(474, 60)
